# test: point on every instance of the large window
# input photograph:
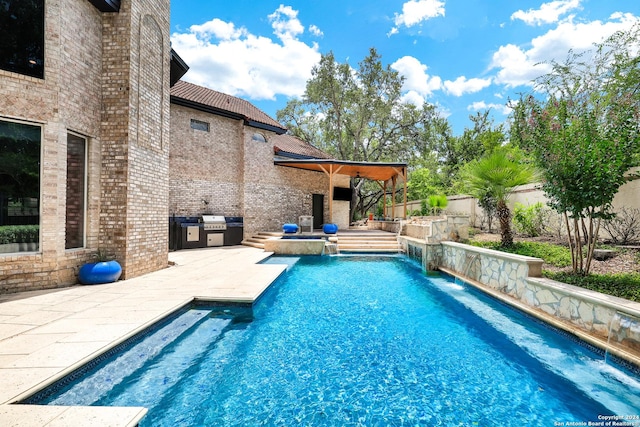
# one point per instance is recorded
(76, 191)
(22, 37)
(19, 186)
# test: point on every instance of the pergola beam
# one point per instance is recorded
(374, 171)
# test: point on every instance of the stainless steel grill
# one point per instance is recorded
(214, 222)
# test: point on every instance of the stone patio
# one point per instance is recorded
(45, 336)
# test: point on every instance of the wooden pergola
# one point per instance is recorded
(382, 173)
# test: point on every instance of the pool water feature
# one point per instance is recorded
(360, 341)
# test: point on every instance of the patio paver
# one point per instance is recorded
(46, 336)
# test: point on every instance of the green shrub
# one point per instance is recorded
(7, 234)
(424, 208)
(19, 233)
(438, 203)
(622, 285)
(556, 255)
(529, 220)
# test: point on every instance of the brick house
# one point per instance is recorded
(84, 136)
(222, 162)
(97, 150)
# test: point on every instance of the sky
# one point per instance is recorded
(464, 56)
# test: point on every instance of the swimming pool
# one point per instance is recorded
(359, 341)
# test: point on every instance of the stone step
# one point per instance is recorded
(350, 241)
(370, 250)
(363, 240)
(253, 244)
(369, 246)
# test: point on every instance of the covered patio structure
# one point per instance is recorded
(384, 174)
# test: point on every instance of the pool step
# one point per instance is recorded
(257, 240)
(366, 241)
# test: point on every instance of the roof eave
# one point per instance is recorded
(106, 5)
(287, 155)
(178, 68)
(265, 126)
(224, 113)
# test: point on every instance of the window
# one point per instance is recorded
(198, 125)
(76, 191)
(19, 186)
(22, 37)
(258, 137)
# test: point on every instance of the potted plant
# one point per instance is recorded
(33, 237)
(103, 270)
(22, 237)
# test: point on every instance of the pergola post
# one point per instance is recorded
(404, 178)
(330, 193)
(393, 197)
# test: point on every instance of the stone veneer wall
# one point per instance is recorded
(600, 319)
(390, 226)
(437, 229)
(106, 79)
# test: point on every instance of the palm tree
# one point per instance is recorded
(495, 176)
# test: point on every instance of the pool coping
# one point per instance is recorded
(49, 324)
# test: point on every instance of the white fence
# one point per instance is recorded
(628, 196)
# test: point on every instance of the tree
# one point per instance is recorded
(422, 183)
(585, 135)
(495, 176)
(455, 151)
(359, 115)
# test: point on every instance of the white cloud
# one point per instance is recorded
(481, 106)
(218, 29)
(412, 97)
(517, 65)
(417, 11)
(462, 85)
(285, 23)
(548, 12)
(416, 77)
(313, 29)
(234, 61)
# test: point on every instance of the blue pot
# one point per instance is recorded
(95, 273)
(330, 228)
(290, 228)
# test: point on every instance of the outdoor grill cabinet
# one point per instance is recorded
(205, 231)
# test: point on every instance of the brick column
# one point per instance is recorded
(135, 136)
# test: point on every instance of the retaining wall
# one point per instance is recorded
(607, 322)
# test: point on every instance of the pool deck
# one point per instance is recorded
(45, 337)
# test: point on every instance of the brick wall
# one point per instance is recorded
(224, 171)
(67, 99)
(274, 194)
(135, 132)
(206, 168)
(106, 78)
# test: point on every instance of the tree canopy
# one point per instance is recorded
(494, 176)
(585, 134)
(358, 114)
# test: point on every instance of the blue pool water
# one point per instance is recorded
(368, 341)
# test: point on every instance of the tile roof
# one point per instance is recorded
(286, 145)
(215, 100)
